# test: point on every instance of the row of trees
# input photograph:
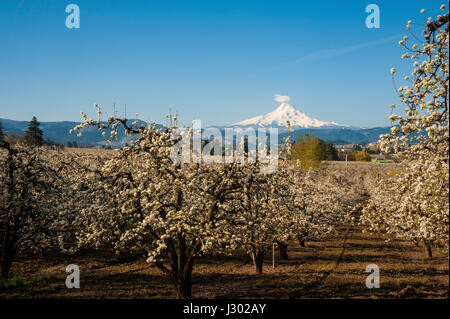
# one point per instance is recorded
(140, 201)
(413, 204)
(310, 151)
(359, 156)
(174, 212)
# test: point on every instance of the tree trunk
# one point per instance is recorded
(259, 266)
(5, 263)
(429, 251)
(182, 265)
(301, 242)
(258, 261)
(184, 285)
(5, 266)
(283, 251)
(7, 254)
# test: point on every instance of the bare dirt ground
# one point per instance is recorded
(331, 268)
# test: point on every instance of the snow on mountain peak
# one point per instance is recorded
(283, 113)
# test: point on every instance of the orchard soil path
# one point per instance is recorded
(330, 268)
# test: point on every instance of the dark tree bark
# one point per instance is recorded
(184, 285)
(182, 260)
(301, 241)
(258, 261)
(283, 251)
(5, 264)
(428, 250)
(7, 254)
(182, 255)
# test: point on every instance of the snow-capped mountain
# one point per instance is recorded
(286, 112)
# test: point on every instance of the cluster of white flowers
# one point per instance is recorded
(413, 204)
(143, 201)
(140, 200)
(36, 199)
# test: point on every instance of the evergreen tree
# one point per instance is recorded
(34, 135)
(331, 152)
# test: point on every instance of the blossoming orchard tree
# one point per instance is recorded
(35, 190)
(261, 219)
(289, 204)
(414, 203)
(145, 202)
(323, 200)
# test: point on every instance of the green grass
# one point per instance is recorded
(18, 282)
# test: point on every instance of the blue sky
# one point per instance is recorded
(218, 61)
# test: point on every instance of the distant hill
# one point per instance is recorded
(343, 135)
(58, 132)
